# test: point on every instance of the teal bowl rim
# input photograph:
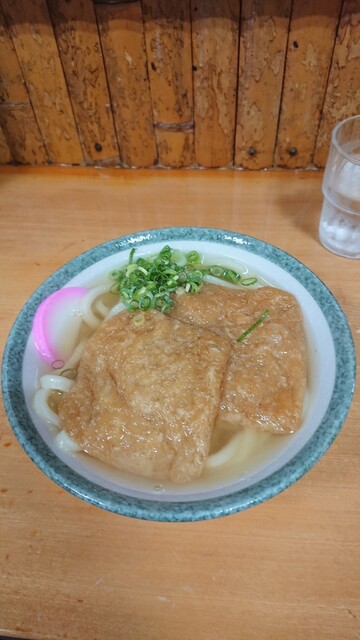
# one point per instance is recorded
(186, 511)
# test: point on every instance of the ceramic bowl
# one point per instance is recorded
(331, 360)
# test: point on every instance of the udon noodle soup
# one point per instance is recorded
(234, 452)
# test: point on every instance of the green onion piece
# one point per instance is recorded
(248, 282)
(193, 257)
(229, 275)
(165, 252)
(151, 282)
(132, 251)
(215, 271)
(142, 270)
(253, 326)
(141, 262)
(144, 303)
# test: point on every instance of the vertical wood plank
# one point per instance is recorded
(24, 141)
(215, 33)
(80, 50)
(343, 90)
(36, 49)
(176, 148)
(123, 45)
(5, 153)
(19, 127)
(263, 40)
(168, 44)
(12, 84)
(311, 39)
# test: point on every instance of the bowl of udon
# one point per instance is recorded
(179, 374)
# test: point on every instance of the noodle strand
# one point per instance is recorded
(42, 408)
(75, 357)
(225, 453)
(87, 313)
(52, 381)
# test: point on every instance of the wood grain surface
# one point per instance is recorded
(20, 129)
(168, 43)
(215, 38)
(37, 52)
(308, 59)
(288, 568)
(123, 44)
(263, 41)
(176, 83)
(5, 153)
(79, 45)
(342, 98)
(176, 148)
(169, 56)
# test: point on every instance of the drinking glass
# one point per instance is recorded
(339, 229)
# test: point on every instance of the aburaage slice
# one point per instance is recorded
(146, 395)
(265, 381)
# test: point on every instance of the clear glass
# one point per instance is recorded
(339, 229)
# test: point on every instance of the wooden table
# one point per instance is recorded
(287, 569)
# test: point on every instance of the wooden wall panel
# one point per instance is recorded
(20, 131)
(123, 45)
(311, 37)
(215, 36)
(168, 45)
(80, 50)
(5, 153)
(36, 49)
(263, 41)
(23, 139)
(176, 83)
(12, 85)
(176, 148)
(343, 89)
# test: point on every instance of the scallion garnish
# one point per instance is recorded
(229, 275)
(149, 283)
(132, 251)
(193, 257)
(253, 326)
(248, 282)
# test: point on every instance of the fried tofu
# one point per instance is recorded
(265, 381)
(146, 395)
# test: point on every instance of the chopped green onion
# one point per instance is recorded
(215, 271)
(150, 282)
(193, 257)
(229, 275)
(141, 262)
(248, 282)
(253, 326)
(144, 303)
(132, 251)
